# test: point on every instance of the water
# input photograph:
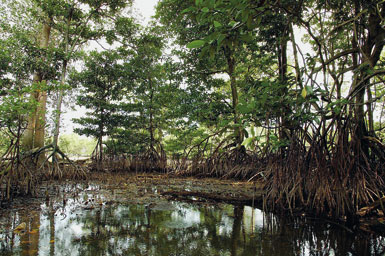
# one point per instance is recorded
(88, 225)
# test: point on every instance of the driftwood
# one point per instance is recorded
(376, 205)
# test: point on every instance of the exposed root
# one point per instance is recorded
(17, 176)
(60, 166)
(150, 161)
(235, 164)
(21, 173)
(335, 180)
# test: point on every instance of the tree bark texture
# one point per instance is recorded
(35, 132)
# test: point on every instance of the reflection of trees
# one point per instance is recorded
(299, 236)
(237, 224)
(29, 238)
(141, 230)
(51, 217)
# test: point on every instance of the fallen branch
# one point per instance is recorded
(378, 204)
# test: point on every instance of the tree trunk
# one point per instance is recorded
(151, 128)
(62, 82)
(34, 134)
(282, 66)
(234, 93)
(58, 107)
(370, 111)
(100, 160)
(370, 54)
(298, 78)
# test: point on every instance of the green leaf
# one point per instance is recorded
(195, 44)
(232, 23)
(252, 131)
(217, 24)
(220, 39)
(309, 90)
(205, 9)
(186, 10)
(259, 20)
(304, 93)
(246, 133)
(247, 141)
(249, 22)
(212, 53)
(247, 38)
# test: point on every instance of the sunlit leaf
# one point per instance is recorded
(252, 131)
(247, 141)
(232, 23)
(304, 92)
(217, 24)
(195, 44)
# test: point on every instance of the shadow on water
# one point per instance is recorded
(174, 228)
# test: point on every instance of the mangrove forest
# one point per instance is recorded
(217, 127)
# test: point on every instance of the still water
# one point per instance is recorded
(93, 227)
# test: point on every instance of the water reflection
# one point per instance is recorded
(174, 228)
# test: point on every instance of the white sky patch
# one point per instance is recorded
(144, 10)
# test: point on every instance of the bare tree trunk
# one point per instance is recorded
(152, 139)
(234, 93)
(58, 107)
(34, 135)
(370, 53)
(62, 80)
(100, 160)
(370, 111)
(295, 53)
(282, 66)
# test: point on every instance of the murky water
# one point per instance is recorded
(90, 225)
